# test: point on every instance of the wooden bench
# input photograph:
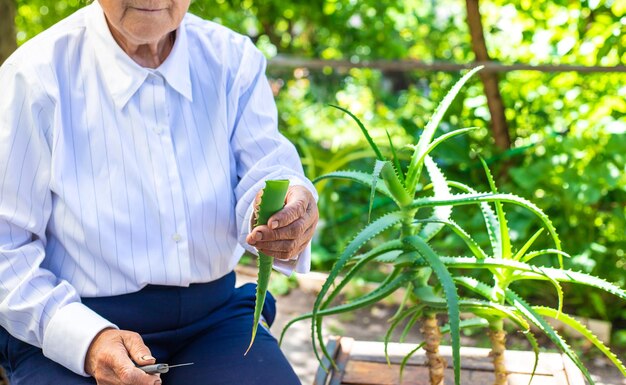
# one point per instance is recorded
(364, 363)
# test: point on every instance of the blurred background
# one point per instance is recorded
(554, 124)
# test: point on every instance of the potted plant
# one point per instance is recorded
(402, 238)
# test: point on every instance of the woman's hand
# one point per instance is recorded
(288, 231)
(110, 359)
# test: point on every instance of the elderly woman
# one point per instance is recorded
(134, 138)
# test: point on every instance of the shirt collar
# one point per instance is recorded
(123, 76)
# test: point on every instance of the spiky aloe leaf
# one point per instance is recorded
(370, 231)
(521, 252)
(576, 278)
(559, 292)
(582, 329)
(415, 167)
(465, 237)
(526, 271)
(490, 309)
(395, 186)
(452, 298)
(441, 190)
(369, 139)
(406, 359)
(375, 174)
(528, 257)
(442, 139)
(396, 161)
(466, 199)
(491, 221)
(543, 325)
(396, 320)
(356, 176)
(488, 263)
(404, 301)
(386, 288)
(272, 201)
(366, 300)
(387, 247)
(503, 226)
(409, 326)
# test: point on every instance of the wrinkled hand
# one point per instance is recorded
(288, 231)
(110, 359)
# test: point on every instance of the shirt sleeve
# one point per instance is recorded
(35, 306)
(260, 151)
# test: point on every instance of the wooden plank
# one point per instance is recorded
(574, 375)
(375, 373)
(471, 358)
(343, 356)
(363, 363)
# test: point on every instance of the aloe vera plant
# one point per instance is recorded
(403, 241)
(272, 201)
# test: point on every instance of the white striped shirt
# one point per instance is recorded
(115, 176)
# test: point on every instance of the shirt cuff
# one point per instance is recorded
(69, 334)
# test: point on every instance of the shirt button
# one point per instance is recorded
(157, 130)
(177, 237)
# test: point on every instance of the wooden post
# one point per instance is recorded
(490, 80)
(8, 42)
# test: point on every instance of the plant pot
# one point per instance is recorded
(364, 363)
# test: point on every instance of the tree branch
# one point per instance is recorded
(499, 125)
(8, 42)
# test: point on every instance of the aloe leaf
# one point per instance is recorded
(385, 289)
(490, 309)
(559, 292)
(526, 271)
(395, 186)
(521, 252)
(370, 231)
(396, 320)
(466, 199)
(441, 190)
(465, 237)
(582, 329)
(396, 161)
(443, 138)
(548, 330)
(576, 278)
(366, 300)
(339, 160)
(502, 222)
(535, 345)
(385, 248)
(356, 176)
(272, 201)
(379, 155)
(452, 298)
(415, 167)
(528, 257)
(375, 174)
(406, 358)
(405, 299)
(409, 326)
(491, 221)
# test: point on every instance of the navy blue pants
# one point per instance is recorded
(207, 324)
